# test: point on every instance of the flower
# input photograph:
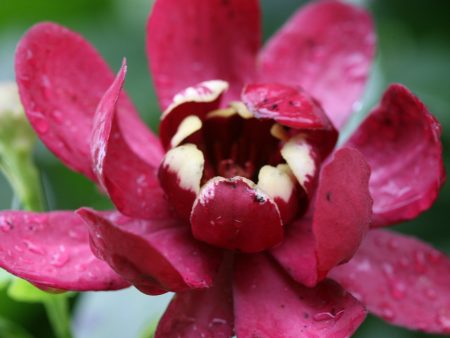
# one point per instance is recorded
(242, 207)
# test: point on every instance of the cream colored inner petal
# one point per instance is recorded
(187, 162)
(241, 109)
(278, 132)
(187, 127)
(206, 91)
(277, 181)
(298, 154)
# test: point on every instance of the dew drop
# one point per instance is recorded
(33, 248)
(443, 319)
(431, 293)
(387, 313)
(420, 261)
(398, 290)
(41, 125)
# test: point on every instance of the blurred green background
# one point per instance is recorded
(413, 49)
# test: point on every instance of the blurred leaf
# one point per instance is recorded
(9, 329)
(5, 278)
(23, 291)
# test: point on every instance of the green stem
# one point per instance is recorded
(24, 178)
(58, 313)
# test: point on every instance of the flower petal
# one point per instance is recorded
(155, 255)
(267, 303)
(340, 219)
(235, 214)
(401, 141)
(190, 41)
(327, 48)
(196, 101)
(401, 279)
(129, 177)
(293, 108)
(51, 250)
(61, 79)
(200, 313)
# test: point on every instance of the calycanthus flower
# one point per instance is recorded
(242, 206)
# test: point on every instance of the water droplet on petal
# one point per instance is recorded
(398, 290)
(33, 247)
(41, 125)
(387, 313)
(420, 261)
(443, 319)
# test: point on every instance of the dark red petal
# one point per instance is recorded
(200, 313)
(129, 177)
(154, 255)
(341, 217)
(235, 214)
(190, 41)
(51, 250)
(197, 100)
(61, 79)
(267, 303)
(293, 108)
(327, 48)
(401, 141)
(342, 210)
(401, 279)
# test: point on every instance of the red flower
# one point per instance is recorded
(250, 173)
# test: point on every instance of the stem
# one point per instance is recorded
(24, 178)
(57, 311)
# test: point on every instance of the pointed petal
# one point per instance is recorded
(129, 177)
(340, 219)
(401, 279)
(190, 41)
(61, 79)
(401, 141)
(267, 303)
(155, 255)
(51, 250)
(293, 108)
(327, 48)
(201, 313)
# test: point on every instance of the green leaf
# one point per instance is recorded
(9, 329)
(22, 291)
(5, 278)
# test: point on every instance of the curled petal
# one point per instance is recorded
(129, 178)
(235, 214)
(180, 174)
(326, 48)
(195, 101)
(154, 255)
(200, 313)
(292, 108)
(401, 142)
(51, 250)
(402, 280)
(190, 41)
(61, 80)
(267, 303)
(340, 219)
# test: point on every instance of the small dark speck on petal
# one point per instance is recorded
(328, 196)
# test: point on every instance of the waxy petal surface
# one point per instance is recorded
(61, 80)
(267, 303)
(236, 215)
(293, 108)
(401, 279)
(327, 48)
(190, 41)
(51, 250)
(154, 255)
(339, 220)
(401, 142)
(201, 313)
(129, 179)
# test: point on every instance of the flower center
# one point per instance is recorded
(236, 178)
